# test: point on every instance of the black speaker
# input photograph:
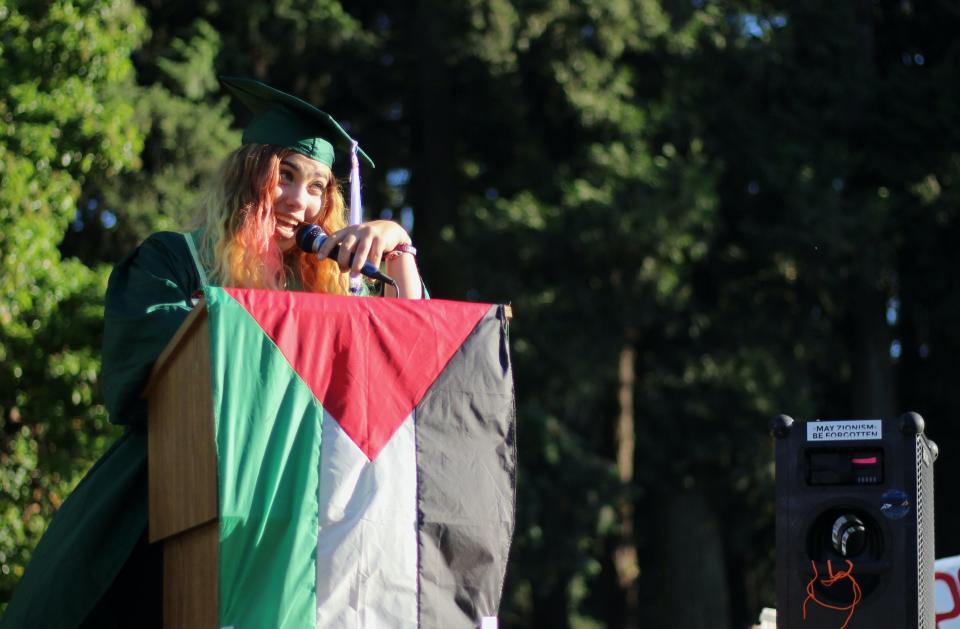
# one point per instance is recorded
(854, 515)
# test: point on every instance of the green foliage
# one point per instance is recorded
(187, 133)
(64, 67)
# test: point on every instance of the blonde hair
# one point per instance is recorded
(238, 246)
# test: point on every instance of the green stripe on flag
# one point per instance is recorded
(267, 424)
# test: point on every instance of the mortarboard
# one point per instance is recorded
(285, 120)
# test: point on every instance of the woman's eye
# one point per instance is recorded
(318, 186)
(285, 175)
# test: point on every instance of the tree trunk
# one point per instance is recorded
(872, 367)
(432, 190)
(694, 592)
(625, 552)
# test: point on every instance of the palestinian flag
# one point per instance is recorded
(366, 459)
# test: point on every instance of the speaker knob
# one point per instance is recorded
(934, 449)
(780, 426)
(911, 424)
(849, 535)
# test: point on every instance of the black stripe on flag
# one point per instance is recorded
(466, 480)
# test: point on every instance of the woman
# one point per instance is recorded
(266, 193)
(94, 560)
(279, 179)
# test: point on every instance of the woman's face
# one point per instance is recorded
(298, 197)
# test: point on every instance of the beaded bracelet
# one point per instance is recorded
(400, 250)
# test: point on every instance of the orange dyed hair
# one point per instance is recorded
(238, 244)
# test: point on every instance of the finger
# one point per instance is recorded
(329, 243)
(361, 251)
(347, 246)
(376, 252)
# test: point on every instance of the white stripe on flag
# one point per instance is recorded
(367, 543)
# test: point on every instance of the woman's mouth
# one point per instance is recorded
(287, 223)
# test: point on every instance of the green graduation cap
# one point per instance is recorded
(285, 120)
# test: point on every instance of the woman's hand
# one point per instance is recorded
(365, 242)
(369, 242)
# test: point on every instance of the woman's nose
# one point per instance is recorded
(294, 197)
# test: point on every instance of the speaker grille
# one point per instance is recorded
(925, 535)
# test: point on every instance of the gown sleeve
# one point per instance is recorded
(148, 297)
(101, 525)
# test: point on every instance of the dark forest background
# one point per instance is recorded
(704, 213)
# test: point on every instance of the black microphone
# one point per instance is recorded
(311, 237)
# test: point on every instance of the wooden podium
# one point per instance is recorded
(182, 475)
(217, 566)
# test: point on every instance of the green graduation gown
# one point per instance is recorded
(93, 566)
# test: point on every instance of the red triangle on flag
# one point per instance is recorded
(369, 361)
